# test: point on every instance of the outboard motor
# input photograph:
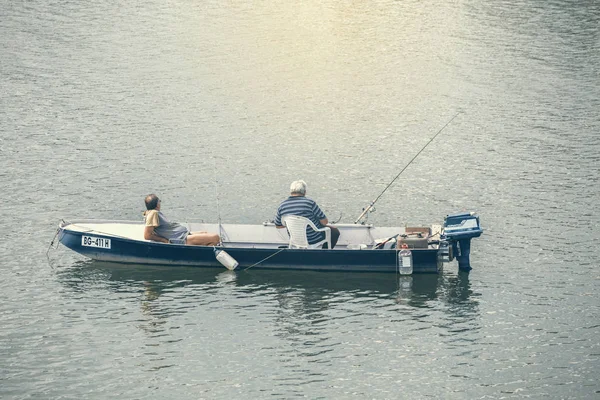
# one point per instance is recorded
(458, 231)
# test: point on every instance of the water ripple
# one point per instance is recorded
(105, 102)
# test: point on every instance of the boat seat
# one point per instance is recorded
(296, 227)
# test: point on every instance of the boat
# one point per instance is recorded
(361, 247)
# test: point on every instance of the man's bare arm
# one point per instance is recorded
(149, 234)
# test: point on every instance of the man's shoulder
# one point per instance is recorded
(296, 203)
(152, 217)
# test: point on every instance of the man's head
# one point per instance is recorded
(298, 188)
(152, 201)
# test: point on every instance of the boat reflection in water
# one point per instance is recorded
(299, 304)
(153, 281)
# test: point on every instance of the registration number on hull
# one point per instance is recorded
(91, 241)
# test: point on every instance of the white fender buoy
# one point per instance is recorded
(226, 260)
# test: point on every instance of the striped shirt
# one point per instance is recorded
(304, 207)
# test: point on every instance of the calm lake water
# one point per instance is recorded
(217, 107)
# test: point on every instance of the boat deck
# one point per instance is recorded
(266, 235)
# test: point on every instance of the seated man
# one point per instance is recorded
(299, 204)
(159, 229)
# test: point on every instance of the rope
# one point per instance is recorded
(51, 246)
(265, 259)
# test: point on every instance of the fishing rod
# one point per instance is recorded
(217, 196)
(221, 255)
(366, 210)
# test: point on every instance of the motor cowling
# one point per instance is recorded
(458, 231)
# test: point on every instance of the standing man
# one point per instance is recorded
(159, 229)
(299, 204)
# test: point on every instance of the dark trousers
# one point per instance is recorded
(335, 235)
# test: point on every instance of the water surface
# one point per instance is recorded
(217, 107)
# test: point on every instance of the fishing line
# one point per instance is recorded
(366, 210)
(338, 220)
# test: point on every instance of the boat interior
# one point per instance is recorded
(266, 235)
